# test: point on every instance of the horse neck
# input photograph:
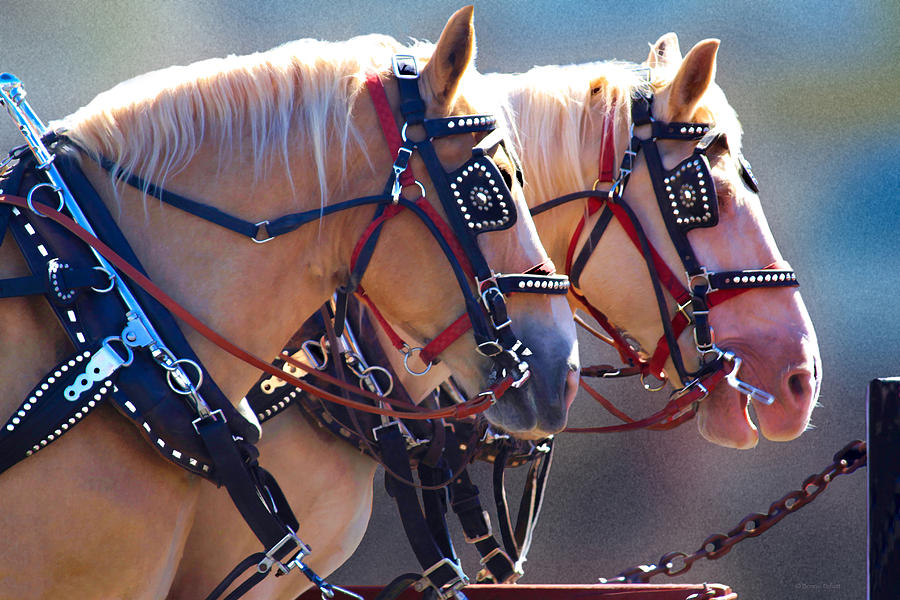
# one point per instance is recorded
(255, 295)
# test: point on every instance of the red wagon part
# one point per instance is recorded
(618, 591)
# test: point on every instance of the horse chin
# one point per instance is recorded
(525, 412)
(724, 419)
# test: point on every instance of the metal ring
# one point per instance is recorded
(649, 388)
(62, 202)
(366, 372)
(406, 356)
(258, 229)
(318, 365)
(421, 188)
(128, 349)
(112, 281)
(175, 386)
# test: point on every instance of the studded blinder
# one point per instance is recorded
(482, 196)
(691, 194)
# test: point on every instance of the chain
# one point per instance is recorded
(849, 459)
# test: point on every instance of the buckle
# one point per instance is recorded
(404, 66)
(489, 348)
(266, 564)
(701, 278)
(212, 416)
(455, 579)
(682, 308)
(516, 568)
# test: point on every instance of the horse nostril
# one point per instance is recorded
(797, 383)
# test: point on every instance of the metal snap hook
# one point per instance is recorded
(62, 202)
(187, 387)
(367, 372)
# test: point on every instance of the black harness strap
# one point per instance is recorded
(441, 572)
(588, 248)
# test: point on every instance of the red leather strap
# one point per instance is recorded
(388, 124)
(478, 404)
(594, 204)
(677, 411)
(456, 329)
(389, 212)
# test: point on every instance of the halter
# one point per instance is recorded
(687, 200)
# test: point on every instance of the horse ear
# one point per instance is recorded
(694, 77)
(452, 54)
(665, 52)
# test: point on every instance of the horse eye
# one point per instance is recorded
(507, 178)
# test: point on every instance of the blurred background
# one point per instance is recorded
(816, 85)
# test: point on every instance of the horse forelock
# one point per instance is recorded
(300, 93)
(552, 107)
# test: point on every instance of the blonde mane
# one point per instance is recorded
(551, 107)
(299, 93)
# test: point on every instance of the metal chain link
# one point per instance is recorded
(850, 458)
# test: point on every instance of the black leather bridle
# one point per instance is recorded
(686, 197)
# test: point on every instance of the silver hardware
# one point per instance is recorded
(366, 375)
(37, 187)
(212, 415)
(178, 380)
(489, 393)
(307, 347)
(135, 333)
(12, 94)
(102, 364)
(260, 228)
(112, 281)
(407, 60)
(407, 352)
(490, 436)
(450, 588)
(491, 345)
(752, 392)
(702, 278)
(265, 565)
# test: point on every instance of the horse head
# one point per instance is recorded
(702, 216)
(409, 278)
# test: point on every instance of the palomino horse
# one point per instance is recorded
(97, 514)
(562, 116)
